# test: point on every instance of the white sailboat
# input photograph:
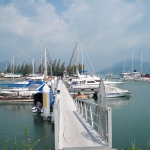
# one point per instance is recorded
(34, 76)
(132, 74)
(12, 74)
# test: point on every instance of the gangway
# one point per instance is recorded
(80, 125)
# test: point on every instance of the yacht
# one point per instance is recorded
(112, 92)
(12, 75)
(24, 90)
(90, 83)
(35, 77)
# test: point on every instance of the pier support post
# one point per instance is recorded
(46, 102)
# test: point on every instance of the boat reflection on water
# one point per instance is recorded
(116, 102)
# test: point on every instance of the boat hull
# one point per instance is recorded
(16, 99)
(114, 95)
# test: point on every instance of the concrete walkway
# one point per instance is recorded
(73, 131)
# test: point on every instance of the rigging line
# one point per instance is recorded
(89, 59)
(50, 61)
(49, 57)
(74, 60)
(75, 56)
(137, 62)
(72, 55)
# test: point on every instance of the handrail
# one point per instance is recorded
(56, 122)
(99, 117)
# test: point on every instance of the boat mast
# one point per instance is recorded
(82, 57)
(45, 63)
(13, 67)
(6, 67)
(51, 66)
(124, 65)
(132, 60)
(32, 66)
(141, 62)
(41, 55)
(78, 56)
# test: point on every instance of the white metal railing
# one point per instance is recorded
(99, 117)
(56, 122)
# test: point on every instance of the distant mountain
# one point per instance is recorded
(3, 65)
(117, 68)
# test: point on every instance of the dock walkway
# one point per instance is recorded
(74, 133)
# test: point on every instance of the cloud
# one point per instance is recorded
(106, 28)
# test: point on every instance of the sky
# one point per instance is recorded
(109, 30)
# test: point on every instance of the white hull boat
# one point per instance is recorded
(112, 92)
(22, 91)
(11, 75)
(142, 79)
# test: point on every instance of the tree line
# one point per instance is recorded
(27, 68)
(73, 69)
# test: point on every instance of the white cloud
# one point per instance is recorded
(106, 28)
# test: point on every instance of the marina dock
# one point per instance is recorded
(71, 130)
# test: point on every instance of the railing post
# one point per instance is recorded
(81, 109)
(76, 102)
(91, 116)
(109, 110)
(56, 124)
(102, 118)
(85, 111)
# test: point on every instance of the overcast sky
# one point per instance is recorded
(108, 29)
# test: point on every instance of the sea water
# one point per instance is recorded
(131, 116)
(14, 116)
(130, 120)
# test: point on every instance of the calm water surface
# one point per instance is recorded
(13, 118)
(131, 117)
(131, 120)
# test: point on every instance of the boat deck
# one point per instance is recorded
(74, 133)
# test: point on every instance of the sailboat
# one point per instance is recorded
(132, 74)
(12, 74)
(34, 76)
